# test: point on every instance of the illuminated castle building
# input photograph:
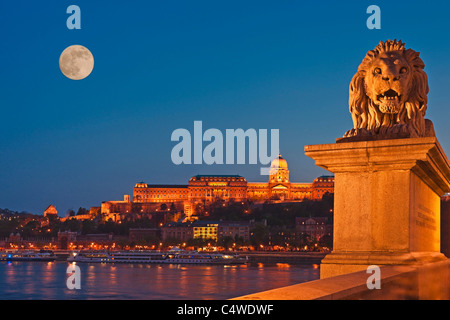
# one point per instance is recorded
(205, 189)
(279, 186)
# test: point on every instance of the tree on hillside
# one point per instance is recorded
(82, 211)
(70, 213)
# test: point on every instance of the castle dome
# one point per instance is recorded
(279, 170)
(279, 163)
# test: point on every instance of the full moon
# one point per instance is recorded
(76, 62)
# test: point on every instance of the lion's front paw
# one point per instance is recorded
(361, 132)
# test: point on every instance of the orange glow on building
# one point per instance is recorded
(205, 189)
(50, 211)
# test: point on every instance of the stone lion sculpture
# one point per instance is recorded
(388, 95)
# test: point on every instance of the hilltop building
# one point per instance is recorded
(50, 211)
(206, 189)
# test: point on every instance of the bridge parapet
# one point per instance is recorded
(428, 281)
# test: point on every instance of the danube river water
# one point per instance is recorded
(47, 280)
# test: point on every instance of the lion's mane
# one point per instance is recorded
(366, 116)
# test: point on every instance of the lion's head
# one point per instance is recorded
(388, 94)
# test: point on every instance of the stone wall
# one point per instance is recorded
(430, 281)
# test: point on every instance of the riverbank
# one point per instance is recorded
(284, 257)
(254, 256)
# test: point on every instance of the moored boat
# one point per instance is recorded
(167, 257)
(42, 255)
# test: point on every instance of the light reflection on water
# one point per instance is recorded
(47, 280)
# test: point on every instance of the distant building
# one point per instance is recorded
(234, 229)
(65, 238)
(279, 186)
(315, 228)
(208, 230)
(50, 211)
(96, 237)
(181, 231)
(165, 193)
(15, 238)
(118, 210)
(207, 189)
(140, 234)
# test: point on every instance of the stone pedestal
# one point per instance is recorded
(445, 225)
(386, 202)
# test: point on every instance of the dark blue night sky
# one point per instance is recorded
(161, 65)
